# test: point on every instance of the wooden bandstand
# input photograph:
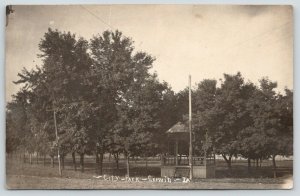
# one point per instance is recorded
(176, 164)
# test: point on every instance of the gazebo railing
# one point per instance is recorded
(184, 161)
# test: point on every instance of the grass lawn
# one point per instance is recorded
(37, 176)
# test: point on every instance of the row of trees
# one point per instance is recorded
(242, 119)
(102, 98)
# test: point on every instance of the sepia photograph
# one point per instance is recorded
(156, 96)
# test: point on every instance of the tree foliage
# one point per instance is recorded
(105, 99)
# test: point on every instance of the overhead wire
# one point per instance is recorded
(97, 17)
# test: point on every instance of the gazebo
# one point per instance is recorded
(176, 162)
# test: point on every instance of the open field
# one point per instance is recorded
(37, 176)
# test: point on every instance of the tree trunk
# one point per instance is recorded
(146, 159)
(74, 161)
(260, 162)
(101, 162)
(37, 158)
(214, 158)
(249, 164)
(228, 161)
(30, 158)
(82, 162)
(97, 162)
(274, 166)
(63, 161)
(256, 163)
(24, 157)
(161, 159)
(116, 156)
(44, 158)
(52, 161)
(127, 164)
(180, 156)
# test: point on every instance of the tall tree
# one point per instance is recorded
(204, 115)
(231, 115)
(18, 123)
(59, 80)
(271, 132)
(126, 95)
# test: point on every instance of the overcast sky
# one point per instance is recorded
(204, 41)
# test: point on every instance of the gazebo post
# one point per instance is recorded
(176, 152)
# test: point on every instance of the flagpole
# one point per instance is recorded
(190, 130)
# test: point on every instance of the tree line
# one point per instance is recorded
(102, 98)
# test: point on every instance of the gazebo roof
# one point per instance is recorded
(178, 128)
